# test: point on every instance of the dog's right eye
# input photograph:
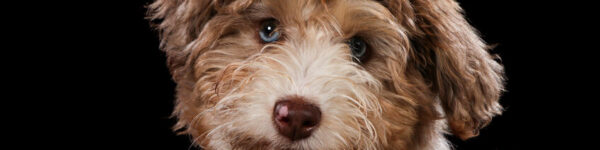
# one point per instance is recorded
(268, 31)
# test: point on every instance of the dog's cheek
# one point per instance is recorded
(399, 121)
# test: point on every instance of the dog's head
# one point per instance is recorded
(337, 74)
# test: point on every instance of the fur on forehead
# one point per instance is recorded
(350, 16)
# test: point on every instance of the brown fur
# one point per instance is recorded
(423, 53)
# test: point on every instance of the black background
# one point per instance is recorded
(106, 84)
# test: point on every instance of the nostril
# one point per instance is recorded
(305, 123)
(284, 119)
(308, 124)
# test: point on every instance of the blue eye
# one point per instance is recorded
(358, 47)
(268, 31)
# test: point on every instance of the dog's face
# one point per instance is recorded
(340, 74)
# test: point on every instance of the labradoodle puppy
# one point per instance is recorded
(326, 74)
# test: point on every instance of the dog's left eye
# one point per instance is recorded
(268, 32)
(358, 47)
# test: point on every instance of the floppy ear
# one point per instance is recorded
(454, 60)
(179, 22)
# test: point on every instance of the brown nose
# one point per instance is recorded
(295, 118)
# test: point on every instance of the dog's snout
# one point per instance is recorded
(295, 118)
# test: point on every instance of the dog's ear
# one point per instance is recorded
(454, 60)
(179, 22)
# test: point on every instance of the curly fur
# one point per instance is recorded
(427, 70)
